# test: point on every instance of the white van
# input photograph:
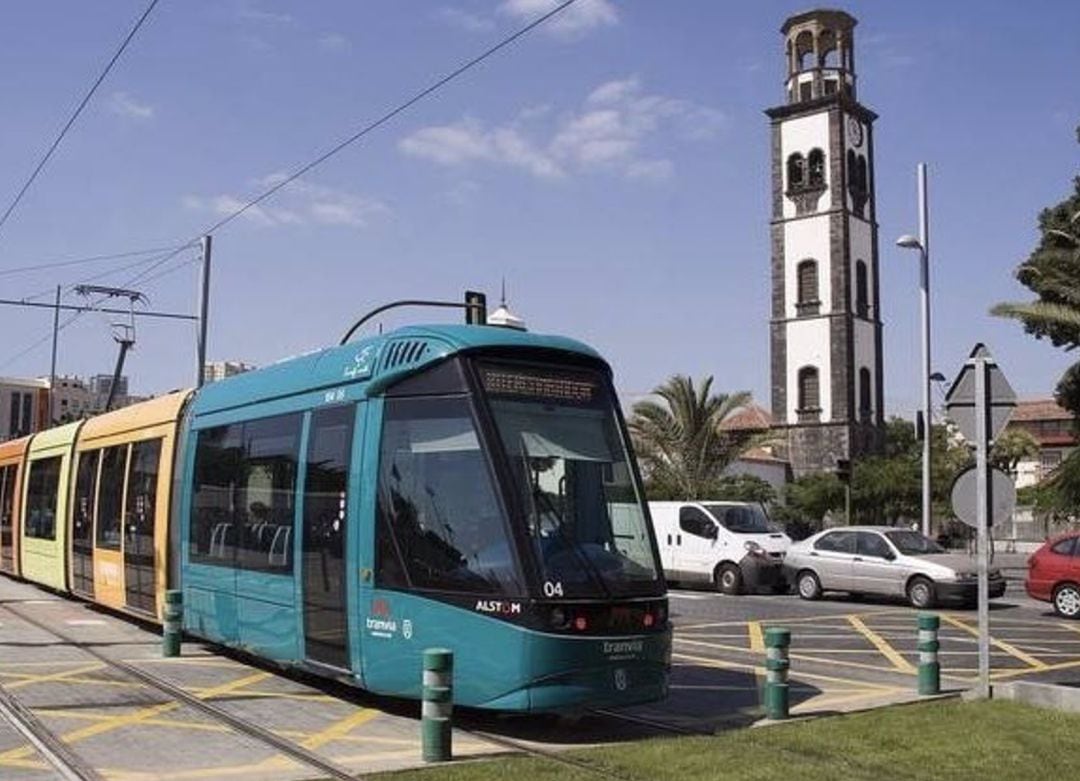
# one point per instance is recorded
(731, 545)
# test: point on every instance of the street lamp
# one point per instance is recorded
(923, 246)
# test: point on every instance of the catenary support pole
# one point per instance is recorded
(437, 706)
(928, 646)
(777, 642)
(204, 308)
(52, 369)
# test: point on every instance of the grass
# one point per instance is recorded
(940, 741)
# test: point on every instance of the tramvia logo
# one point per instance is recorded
(380, 623)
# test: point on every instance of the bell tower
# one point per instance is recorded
(826, 304)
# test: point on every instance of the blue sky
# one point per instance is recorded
(613, 167)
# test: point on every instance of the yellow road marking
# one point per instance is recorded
(141, 715)
(1068, 627)
(1045, 668)
(757, 637)
(723, 664)
(32, 679)
(797, 620)
(880, 643)
(1008, 648)
(340, 728)
(23, 679)
(798, 657)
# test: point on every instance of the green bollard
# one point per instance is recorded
(777, 641)
(929, 668)
(438, 703)
(174, 618)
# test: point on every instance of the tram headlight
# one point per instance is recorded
(581, 623)
(648, 620)
(559, 618)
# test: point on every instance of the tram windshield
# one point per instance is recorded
(569, 462)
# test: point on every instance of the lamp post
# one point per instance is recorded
(922, 244)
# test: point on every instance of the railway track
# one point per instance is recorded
(71, 766)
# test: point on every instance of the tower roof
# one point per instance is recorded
(834, 17)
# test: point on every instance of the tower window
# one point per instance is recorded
(809, 394)
(807, 301)
(862, 304)
(816, 164)
(806, 90)
(865, 405)
(796, 171)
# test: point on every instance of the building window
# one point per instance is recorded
(862, 305)
(816, 164)
(809, 408)
(807, 301)
(865, 395)
(796, 172)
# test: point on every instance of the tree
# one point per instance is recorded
(680, 442)
(1011, 447)
(1052, 272)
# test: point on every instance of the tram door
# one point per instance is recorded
(8, 487)
(139, 518)
(82, 524)
(326, 637)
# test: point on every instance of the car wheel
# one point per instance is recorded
(920, 593)
(728, 579)
(1067, 601)
(808, 585)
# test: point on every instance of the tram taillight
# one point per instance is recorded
(647, 620)
(581, 624)
(559, 618)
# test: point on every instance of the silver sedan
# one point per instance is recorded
(886, 561)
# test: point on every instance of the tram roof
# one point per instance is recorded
(54, 437)
(13, 448)
(163, 409)
(380, 359)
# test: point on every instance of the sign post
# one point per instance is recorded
(979, 402)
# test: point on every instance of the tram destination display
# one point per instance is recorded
(560, 387)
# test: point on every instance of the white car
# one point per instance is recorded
(729, 545)
(887, 561)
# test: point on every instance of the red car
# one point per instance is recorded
(1054, 574)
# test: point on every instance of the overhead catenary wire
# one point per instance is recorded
(75, 114)
(145, 274)
(87, 260)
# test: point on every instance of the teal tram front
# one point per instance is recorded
(466, 487)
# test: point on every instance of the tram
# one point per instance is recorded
(461, 486)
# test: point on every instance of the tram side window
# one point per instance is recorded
(7, 509)
(267, 514)
(142, 495)
(41, 498)
(219, 459)
(110, 497)
(243, 510)
(439, 518)
(83, 513)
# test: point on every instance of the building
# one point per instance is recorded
(72, 400)
(100, 385)
(763, 461)
(826, 362)
(1053, 427)
(219, 370)
(24, 407)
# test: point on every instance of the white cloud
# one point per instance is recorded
(616, 130)
(456, 17)
(126, 106)
(247, 9)
(298, 203)
(570, 24)
(333, 42)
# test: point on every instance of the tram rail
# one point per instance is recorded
(66, 757)
(63, 759)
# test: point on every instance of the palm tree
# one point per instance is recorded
(680, 441)
(1053, 272)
